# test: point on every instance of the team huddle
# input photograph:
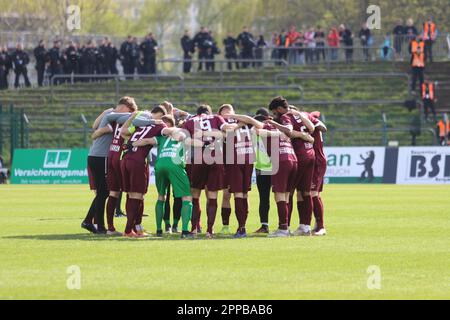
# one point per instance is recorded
(210, 152)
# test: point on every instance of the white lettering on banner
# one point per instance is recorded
(423, 165)
(354, 162)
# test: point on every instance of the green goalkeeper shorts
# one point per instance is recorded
(174, 175)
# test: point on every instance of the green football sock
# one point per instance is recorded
(167, 221)
(186, 214)
(159, 209)
(175, 223)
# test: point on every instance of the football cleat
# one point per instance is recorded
(168, 229)
(300, 232)
(89, 227)
(240, 234)
(175, 229)
(225, 230)
(262, 230)
(119, 214)
(132, 234)
(320, 232)
(209, 235)
(114, 233)
(187, 235)
(159, 233)
(279, 234)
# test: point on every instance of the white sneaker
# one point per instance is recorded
(320, 232)
(279, 234)
(301, 232)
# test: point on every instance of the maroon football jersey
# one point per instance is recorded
(205, 123)
(241, 144)
(286, 150)
(318, 146)
(117, 142)
(141, 153)
(301, 147)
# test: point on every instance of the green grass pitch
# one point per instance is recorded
(403, 230)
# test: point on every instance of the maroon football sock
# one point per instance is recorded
(240, 211)
(246, 205)
(282, 215)
(306, 210)
(211, 212)
(138, 218)
(226, 212)
(290, 209)
(318, 211)
(132, 208)
(195, 213)
(110, 208)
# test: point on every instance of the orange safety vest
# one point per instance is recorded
(418, 55)
(441, 125)
(429, 31)
(428, 90)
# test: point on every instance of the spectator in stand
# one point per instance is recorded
(428, 98)
(443, 130)
(187, 45)
(310, 45)
(212, 50)
(200, 42)
(273, 44)
(399, 36)
(125, 56)
(55, 59)
(20, 61)
(365, 37)
(230, 44)
(72, 59)
(410, 30)
(333, 43)
(41, 57)
(149, 49)
(283, 44)
(259, 50)
(346, 37)
(292, 35)
(417, 48)
(386, 51)
(300, 51)
(111, 57)
(247, 43)
(429, 36)
(3, 176)
(5, 67)
(319, 37)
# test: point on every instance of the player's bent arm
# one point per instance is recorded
(308, 124)
(125, 131)
(287, 130)
(229, 127)
(321, 127)
(100, 118)
(247, 120)
(302, 135)
(267, 133)
(145, 142)
(193, 142)
(101, 131)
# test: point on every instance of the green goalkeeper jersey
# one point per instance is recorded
(170, 152)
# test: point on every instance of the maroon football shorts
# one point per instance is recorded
(114, 177)
(134, 176)
(239, 177)
(207, 175)
(286, 177)
(305, 172)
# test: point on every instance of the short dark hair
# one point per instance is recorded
(169, 118)
(224, 107)
(203, 109)
(262, 112)
(159, 109)
(129, 102)
(278, 102)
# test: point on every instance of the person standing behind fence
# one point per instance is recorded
(429, 36)
(229, 44)
(247, 43)
(310, 45)
(125, 55)
(333, 43)
(346, 37)
(283, 45)
(188, 49)
(417, 48)
(410, 30)
(72, 59)
(20, 61)
(88, 59)
(319, 37)
(443, 130)
(211, 51)
(41, 57)
(55, 58)
(365, 37)
(399, 36)
(261, 44)
(149, 50)
(292, 35)
(201, 43)
(5, 66)
(273, 44)
(111, 56)
(428, 98)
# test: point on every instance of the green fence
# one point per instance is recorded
(14, 131)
